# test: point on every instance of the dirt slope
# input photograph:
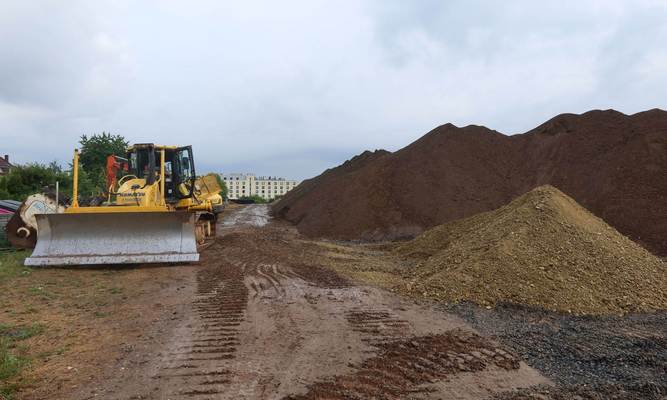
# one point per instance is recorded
(613, 164)
(307, 195)
(542, 249)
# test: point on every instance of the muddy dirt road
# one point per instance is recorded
(253, 215)
(260, 319)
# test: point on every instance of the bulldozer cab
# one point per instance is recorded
(179, 171)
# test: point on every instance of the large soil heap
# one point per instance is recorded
(541, 249)
(613, 164)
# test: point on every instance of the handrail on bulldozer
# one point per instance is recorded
(75, 179)
(162, 199)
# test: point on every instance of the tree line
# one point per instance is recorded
(24, 180)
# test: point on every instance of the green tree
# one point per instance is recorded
(24, 180)
(224, 191)
(94, 152)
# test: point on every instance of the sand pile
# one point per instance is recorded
(613, 164)
(542, 249)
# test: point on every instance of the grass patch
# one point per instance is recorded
(51, 353)
(11, 264)
(29, 310)
(20, 332)
(11, 364)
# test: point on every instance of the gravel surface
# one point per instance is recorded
(609, 357)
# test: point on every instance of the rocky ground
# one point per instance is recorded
(594, 357)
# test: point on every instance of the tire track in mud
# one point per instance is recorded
(198, 365)
(319, 276)
(402, 366)
(377, 326)
(269, 273)
(265, 278)
(405, 367)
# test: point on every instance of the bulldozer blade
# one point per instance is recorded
(114, 238)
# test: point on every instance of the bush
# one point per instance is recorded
(224, 191)
(254, 198)
(24, 180)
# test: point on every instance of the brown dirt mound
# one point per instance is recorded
(331, 177)
(613, 164)
(542, 249)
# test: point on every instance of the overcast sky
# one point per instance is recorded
(293, 87)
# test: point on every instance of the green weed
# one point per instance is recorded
(11, 364)
(11, 264)
(116, 290)
(50, 353)
(21, 332)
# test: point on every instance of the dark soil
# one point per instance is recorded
(402, 366)
(613, 164)
(591, 357)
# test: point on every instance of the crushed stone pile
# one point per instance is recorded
(542, 249)
(611, 163)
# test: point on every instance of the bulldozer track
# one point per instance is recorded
(199, 365)
(404, 367)
(377, 326)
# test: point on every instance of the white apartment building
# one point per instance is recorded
(267, 187)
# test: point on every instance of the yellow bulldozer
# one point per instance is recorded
(155, 210)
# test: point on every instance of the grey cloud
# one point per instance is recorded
(290, 88)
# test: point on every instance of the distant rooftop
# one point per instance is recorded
(4, 161)
(272, 178)
(240, 175)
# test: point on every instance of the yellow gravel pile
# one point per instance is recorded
(542, 249)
